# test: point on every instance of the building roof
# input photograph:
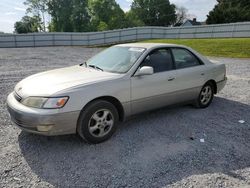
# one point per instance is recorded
(192, 22)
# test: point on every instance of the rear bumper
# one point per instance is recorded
(39, 121)
(221, 84)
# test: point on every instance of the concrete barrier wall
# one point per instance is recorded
(124, 35)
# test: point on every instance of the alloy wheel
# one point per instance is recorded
(206, 95)
(101, 123)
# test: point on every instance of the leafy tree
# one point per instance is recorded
(106, 11)
(80, 16)
(20, 27)
(133, 20)
(61, 11)
(69, 15)
(102, 26)
(96, 15)
(117, 18)
(227, 11)
(154, 12)
(38, 8)
(28, 25)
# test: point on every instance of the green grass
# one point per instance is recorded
(233, 47)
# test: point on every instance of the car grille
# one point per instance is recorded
(18, 120)
(22, 124)
(17, 97)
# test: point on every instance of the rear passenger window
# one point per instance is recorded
(160, 60)
(184, 59)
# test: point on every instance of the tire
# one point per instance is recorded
(206, 96)
(97, 122)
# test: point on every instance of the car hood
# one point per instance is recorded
(49, 82)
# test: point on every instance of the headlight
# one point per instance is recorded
(35, 102)
(43, 102)
(55, 102)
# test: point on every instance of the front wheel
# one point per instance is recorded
(97, 122)
(206, 96)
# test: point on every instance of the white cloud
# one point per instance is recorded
(126, 9)
(196, 8)
(10, 13)
(20, 9)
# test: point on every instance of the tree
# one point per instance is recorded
(80, 16)
(61, 11)
(20, 27)
(181, 15)
(106, 11)
(38, 8)
(28, 25)
(133, 20)
(102, 26)
(69, 15)
(154, 12)
(117, 18)
(228, 11)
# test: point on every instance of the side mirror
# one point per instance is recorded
(146, 70)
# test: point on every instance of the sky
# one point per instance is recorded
(13, 10)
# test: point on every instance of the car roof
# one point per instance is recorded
(153, 46)
(149, 45)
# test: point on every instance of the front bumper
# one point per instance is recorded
(41, 121)
(221, 84)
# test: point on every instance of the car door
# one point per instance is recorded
(190, 72)
(156, 90)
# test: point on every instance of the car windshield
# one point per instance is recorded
(116, 59)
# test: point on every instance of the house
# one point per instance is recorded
(192, 23)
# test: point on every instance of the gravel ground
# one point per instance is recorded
(150, 150)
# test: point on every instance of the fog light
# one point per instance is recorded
(44, 128)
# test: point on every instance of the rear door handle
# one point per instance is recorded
(171, 79)
(202, 74)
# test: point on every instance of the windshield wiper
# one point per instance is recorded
(85, 63)
(95, 67)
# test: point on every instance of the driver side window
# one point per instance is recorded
(160, 60)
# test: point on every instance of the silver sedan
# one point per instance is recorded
(92, 98)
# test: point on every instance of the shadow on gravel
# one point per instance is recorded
(151, 150)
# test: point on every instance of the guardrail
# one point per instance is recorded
(124, 35)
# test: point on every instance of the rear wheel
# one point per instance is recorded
(206, 96)
(97, 122)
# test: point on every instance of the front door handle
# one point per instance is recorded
(171, 79)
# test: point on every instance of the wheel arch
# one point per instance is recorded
(113, 101)
(214, 85)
